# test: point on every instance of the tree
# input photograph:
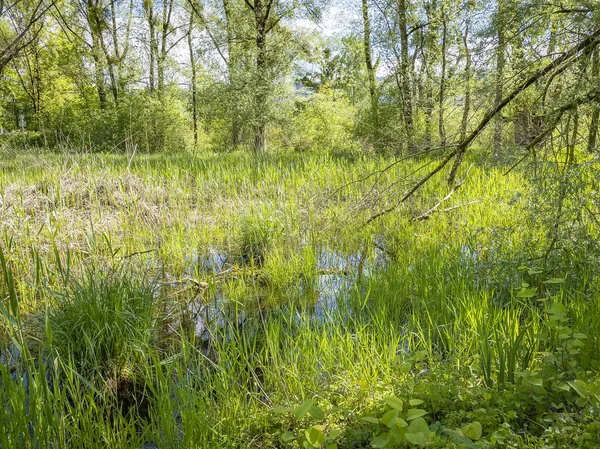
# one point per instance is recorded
(371, 69)
(21, 22)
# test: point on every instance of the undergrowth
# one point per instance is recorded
(226, 301)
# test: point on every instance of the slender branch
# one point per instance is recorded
(592, 39)
(414, 188)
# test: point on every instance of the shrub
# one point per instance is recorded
(322, 121)
(140, 121)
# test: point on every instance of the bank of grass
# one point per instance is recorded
(103, 263)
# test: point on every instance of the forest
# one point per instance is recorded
(299, 224)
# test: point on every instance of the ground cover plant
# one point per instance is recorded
(299, 224)
(177, 301)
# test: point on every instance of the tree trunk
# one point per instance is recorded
(232, 71)
(97, 56)
(164, 34)
(500, 61)
(193, 80)
(111, 71)
(467, 106)
(149, 10)
(260, 96)
(593, 131)
(404, 76)
(573, 142)
(429, 61)
(443, 81)
(370, 69)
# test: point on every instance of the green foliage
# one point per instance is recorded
(314, 436)
(257, 232)
(323, 121)
(104, 325)
(328, 322)
(140, 122)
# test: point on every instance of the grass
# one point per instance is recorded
(105, 275)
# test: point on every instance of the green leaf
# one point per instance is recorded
(281, 410)
(316, 412)
(415, 402)
(537, 381)
(334, 434)
(394, 402)
(398, 433)
(286, 437)
(370, 419)
(315, 436)
(527, 293)
(301, 411)
(419, 425)
(399, 422)
(405, 367)
(418, 439)
(473, 430)
(381, 440)
(414, 413)
(388, 418)
(555, 281)
(331, 446)
(556, 309)
(580, 388)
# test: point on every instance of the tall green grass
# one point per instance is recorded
(101, 267)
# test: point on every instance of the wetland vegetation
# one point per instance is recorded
(412, 261)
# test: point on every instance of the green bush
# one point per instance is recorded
(140, 122)
(322, 121)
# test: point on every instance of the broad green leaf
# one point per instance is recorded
(405, 367)
(414, 413)
(398, 433)
(281, 410)
(394, 402)
(580, 388)
(527, 293)
(388, 417)
(334, 434)
(556, 309)
(473, 430)
(419, 425)
(316, 412)
(418, 439)
(301, 411)
(315, 436)
(594, 388)
(537, 381)
(381, 440)
(286, 437)
(370, 419)
(399, 422)
(415, 402)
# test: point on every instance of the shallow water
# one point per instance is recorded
(337, 274)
